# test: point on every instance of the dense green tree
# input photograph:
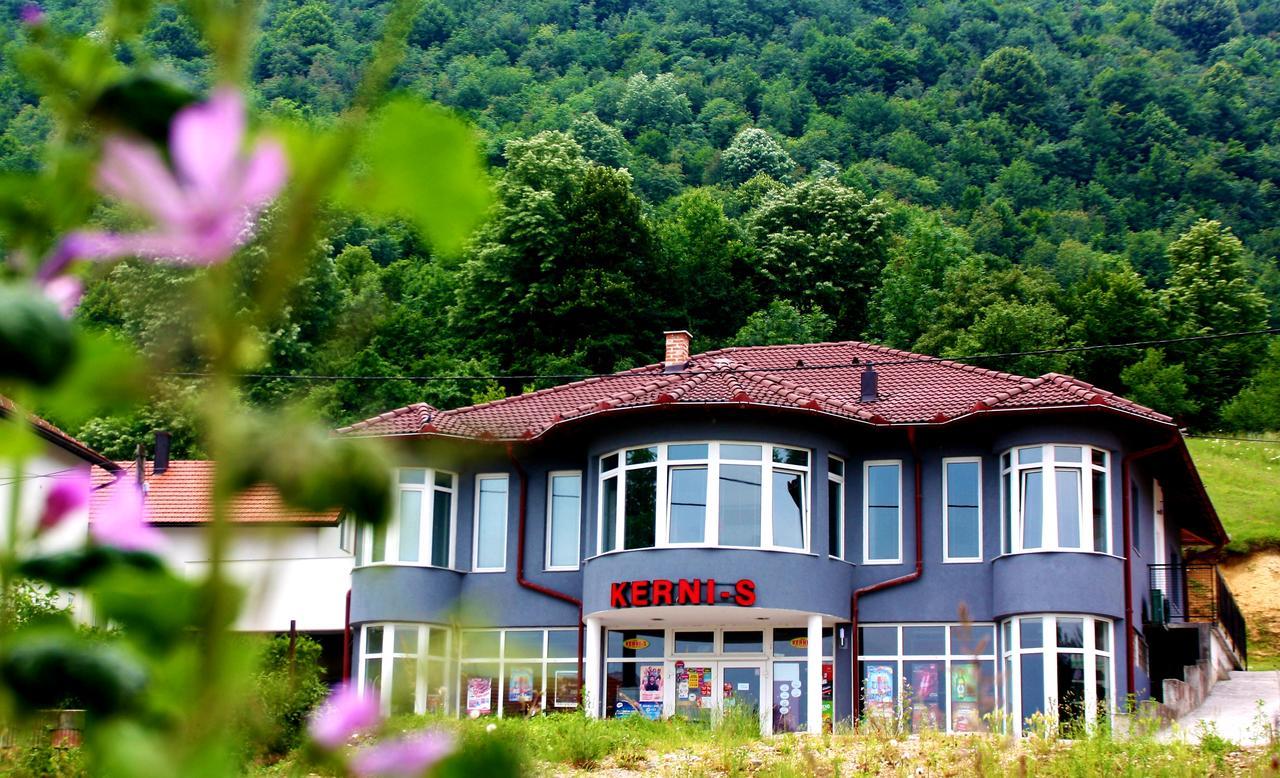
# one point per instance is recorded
(1203, 24)
(1160, 386)
(1011, 81)
(600, 142)
(781, 322)
(1013, 326)
(910, 289)
(709, 264)
(556, 277)
(657, 103)
(1209, 292)
(820, 244)
(754, 151)
(1257, 407)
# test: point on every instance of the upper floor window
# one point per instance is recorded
(489, 552)
(962, 515)
(422, 529)
(750, 495)
(1055, 499)
(564, 520)
(882, 512)
(835, 507)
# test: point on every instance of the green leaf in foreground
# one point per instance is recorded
(420, 162)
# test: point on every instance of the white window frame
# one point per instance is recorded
(842, 552)
(1012, 653)
(475, 523)
(712, 462)
(1012, 531)
(550, 514)
(387, 656)
(866, 511)
(363, 551)
(946, 512)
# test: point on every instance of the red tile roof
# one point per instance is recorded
(182, 494)
(56, 436)
(822, 378)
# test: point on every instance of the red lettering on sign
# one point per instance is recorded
(618, 595)
(639, 593)
(662, 592)
(746, 593)
(711, 591)
(689, 592)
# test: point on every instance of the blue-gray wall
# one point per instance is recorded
(994, 589)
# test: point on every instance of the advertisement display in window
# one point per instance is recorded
(566, 689)
(479, 694)
(651, 683)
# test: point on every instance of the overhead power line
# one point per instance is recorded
(782, 369)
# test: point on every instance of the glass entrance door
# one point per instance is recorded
(742, 689)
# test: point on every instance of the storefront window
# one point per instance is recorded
(406, 666)
(1055, 499)
(747, 495)
(942, 678)
(1060, 671)
(421, 530)
(513, 672)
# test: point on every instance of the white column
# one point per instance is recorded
(813, 678)
(591, 668)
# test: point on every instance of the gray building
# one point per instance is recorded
(806, 532)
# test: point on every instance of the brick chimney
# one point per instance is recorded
(677, 356)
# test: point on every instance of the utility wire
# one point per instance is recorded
(1268, 441)
(782, 369)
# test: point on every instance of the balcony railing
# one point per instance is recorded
(1197, 592)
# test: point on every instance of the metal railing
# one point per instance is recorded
(1197, 592)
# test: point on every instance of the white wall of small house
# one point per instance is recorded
(290, 573)
(35, 478)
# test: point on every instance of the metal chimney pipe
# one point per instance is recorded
(870, 385)
(161, 463)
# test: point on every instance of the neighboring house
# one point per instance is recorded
(808, 531)
(292, 564)
(59, 454)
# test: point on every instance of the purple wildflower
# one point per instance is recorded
(64, 292)
(203, 208)
(122, 522)
(346, 712)
(405, 757)
(70, 493)
(31, 15)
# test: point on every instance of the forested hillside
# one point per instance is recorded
(958, 177)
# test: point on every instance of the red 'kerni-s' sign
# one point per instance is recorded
(696, 591)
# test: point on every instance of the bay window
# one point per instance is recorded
(750, 495)
(1055, 498)
(421, 530)
(835, 507)
(1057, 671)
(882, 512)
(406, 667)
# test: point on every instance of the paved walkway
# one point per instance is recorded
(1232, 710)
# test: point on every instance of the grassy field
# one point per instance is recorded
(1243, 478)
(572, 745)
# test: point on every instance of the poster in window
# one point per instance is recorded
(828, 677)
(566, 689)
(965, 716)
(521, 685)
(880, 683)
(927, 702)
(651, 710)
(479, 696)
(651, 683)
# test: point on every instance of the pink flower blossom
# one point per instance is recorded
(203, 207)
(64, 292)
(405, 757)
(122, 522)
(346, 712)
(69, 493)
(31, 15)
